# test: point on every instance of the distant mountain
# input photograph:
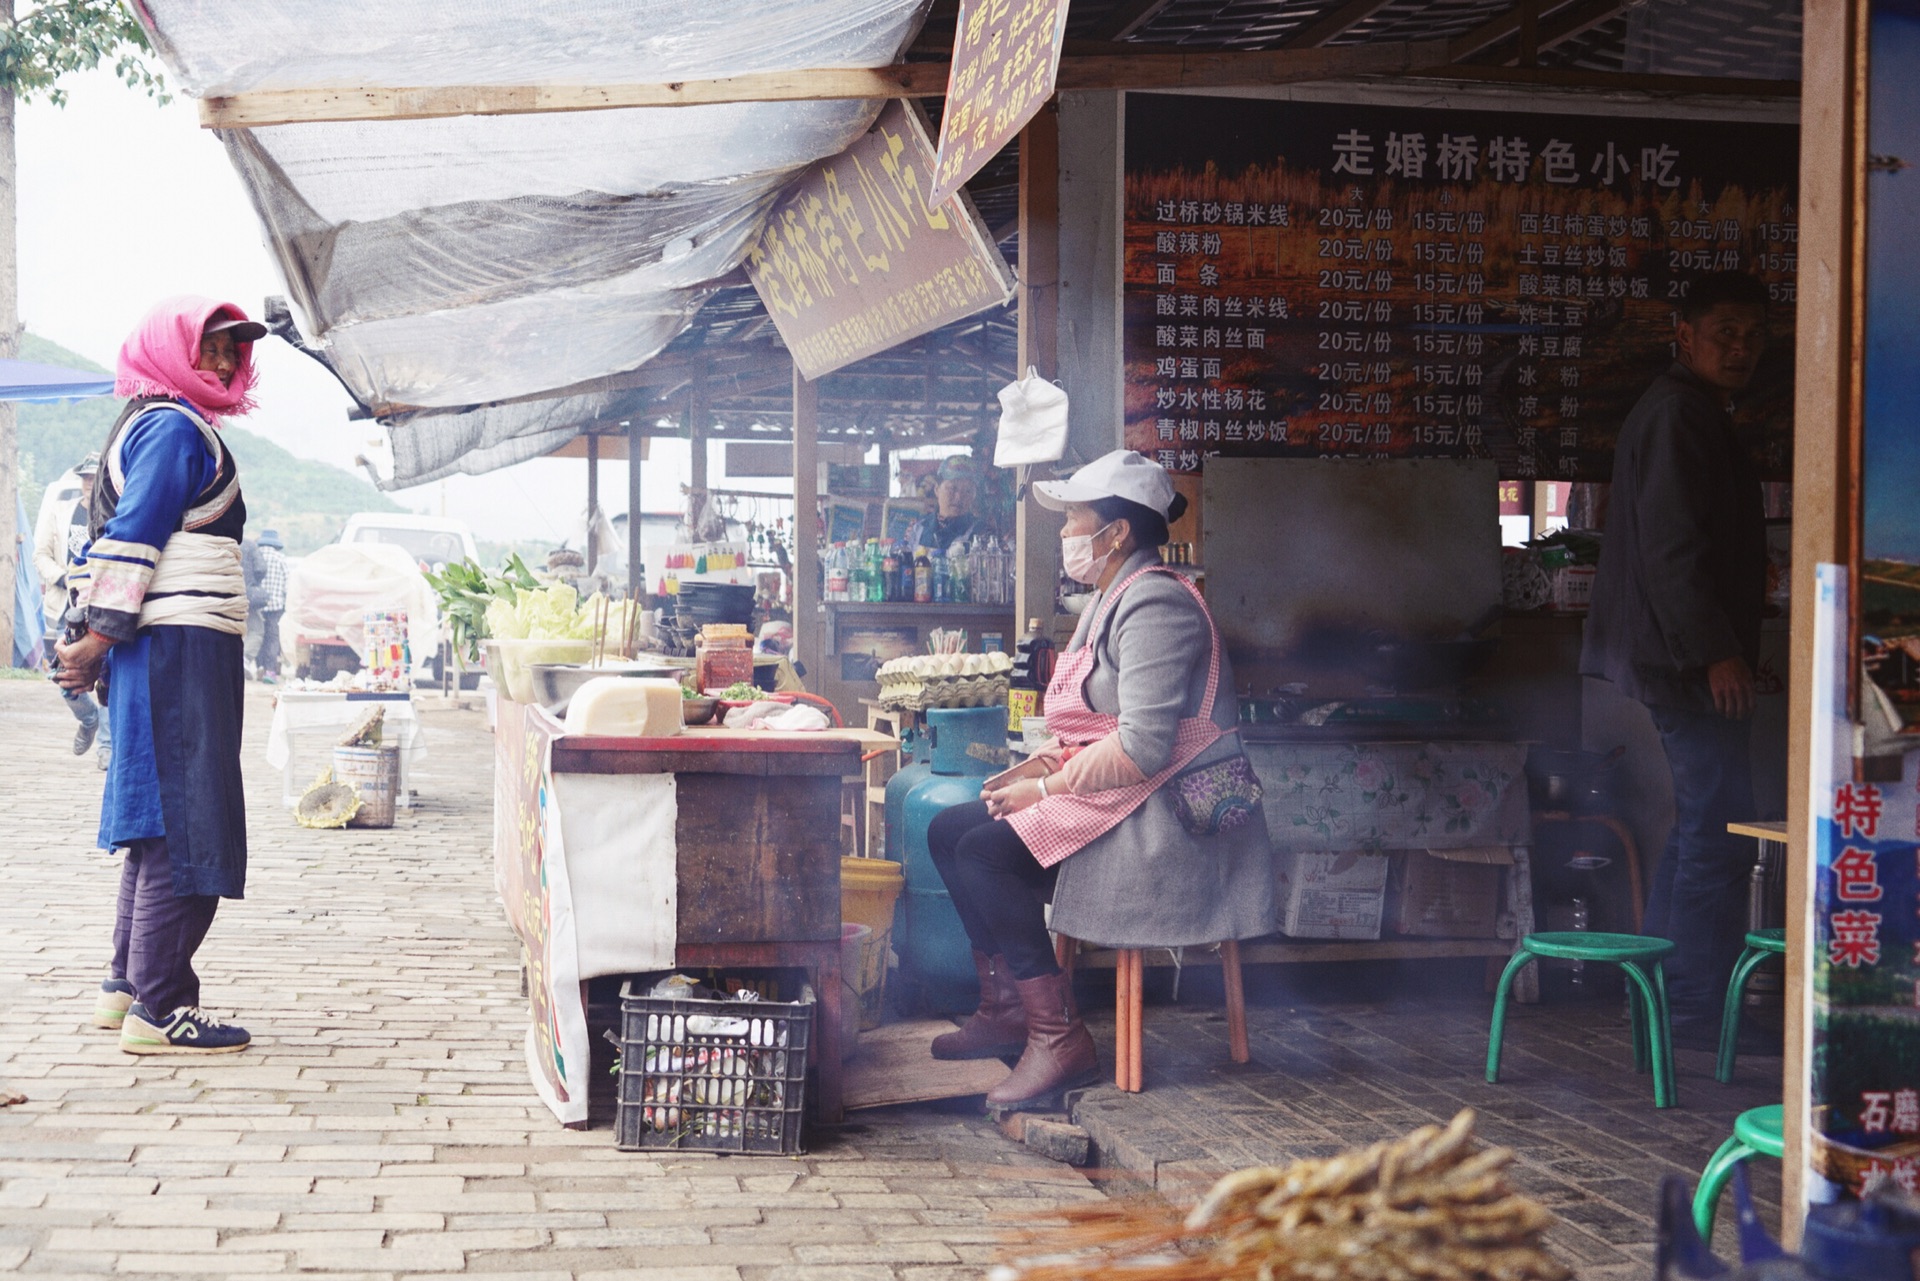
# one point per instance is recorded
(305, 500)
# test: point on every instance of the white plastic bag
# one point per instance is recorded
(1033, 422)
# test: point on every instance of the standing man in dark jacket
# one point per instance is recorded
(1675, 623)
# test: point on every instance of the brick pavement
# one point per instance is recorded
(382, 1125)
(1341, 1059)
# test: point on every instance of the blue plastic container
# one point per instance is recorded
(967, 744)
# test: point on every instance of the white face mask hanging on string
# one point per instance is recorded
(1033, 422)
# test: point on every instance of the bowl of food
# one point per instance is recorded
(696, 708)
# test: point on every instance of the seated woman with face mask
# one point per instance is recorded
(1143, 826)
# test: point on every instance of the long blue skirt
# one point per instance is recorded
(175, 696)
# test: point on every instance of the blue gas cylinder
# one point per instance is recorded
(917, 751)
(968, 744)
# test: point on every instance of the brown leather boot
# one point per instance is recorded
(1060, 1054)
(995, 1030)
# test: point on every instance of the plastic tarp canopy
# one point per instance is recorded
(331, 591)
(25, 380)
(458, 262)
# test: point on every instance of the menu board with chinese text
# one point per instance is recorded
(1326, 280)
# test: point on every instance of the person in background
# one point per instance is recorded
(166, 620)
(1675, 623)
(253, 570)
(956, 496)
(271, 603)
(59, 544)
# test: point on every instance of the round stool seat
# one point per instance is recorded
(1762, 1129)
(1772, 940)
(1578, 945)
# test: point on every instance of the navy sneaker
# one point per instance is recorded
(185, 1031)
(110, 1007)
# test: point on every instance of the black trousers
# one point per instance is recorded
(156, 932)
(997, 886)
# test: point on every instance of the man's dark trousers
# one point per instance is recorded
(1700, 883)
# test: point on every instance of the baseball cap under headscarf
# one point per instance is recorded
(158, 357)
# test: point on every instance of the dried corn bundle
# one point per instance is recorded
(1422, 1208)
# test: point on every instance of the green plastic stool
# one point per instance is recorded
(1756, 1132)
(1760, 945)
(1652, 1034)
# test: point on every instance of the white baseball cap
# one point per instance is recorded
(1120, 474)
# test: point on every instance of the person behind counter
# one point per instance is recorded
(1675, 623)
(956, 497)
(1141, 698)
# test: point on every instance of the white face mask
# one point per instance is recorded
(1076, 555)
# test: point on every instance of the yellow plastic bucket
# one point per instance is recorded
(869, 889)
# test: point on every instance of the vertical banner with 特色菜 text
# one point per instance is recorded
(1006, 54)
(1323, 280)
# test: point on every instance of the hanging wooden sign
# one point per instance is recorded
(853, 260)
(1006, 56)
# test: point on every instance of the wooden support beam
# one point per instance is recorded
(809, 640)
(1133, 16)
(289, 106)
(636, 572)
(1499, 28)
(1195, 69)
(699, 420)
(1036, 529)
(1333, 23)
(1577, 21)
(1827, 404)
(593, 501)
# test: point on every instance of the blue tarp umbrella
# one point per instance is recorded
(24, 380)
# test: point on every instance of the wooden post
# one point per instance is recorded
(697, 425)
(1038, 301)
(1826, 437)
(593, 501)
(808, 641)
(636, 572)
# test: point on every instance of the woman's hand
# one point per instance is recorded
(80, 662)
(1014, 797)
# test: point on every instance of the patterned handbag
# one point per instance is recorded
(1215, 798)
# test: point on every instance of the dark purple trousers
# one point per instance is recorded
(156, 931)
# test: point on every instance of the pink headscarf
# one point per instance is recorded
(157, 358)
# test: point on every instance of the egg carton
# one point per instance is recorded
(945, 691)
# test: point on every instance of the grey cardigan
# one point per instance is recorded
(1148, 882)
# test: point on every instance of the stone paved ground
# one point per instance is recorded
(1347, 1059)
(382, 1126)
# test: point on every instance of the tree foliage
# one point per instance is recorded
(57, 37)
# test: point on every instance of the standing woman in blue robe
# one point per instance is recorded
(166, 618)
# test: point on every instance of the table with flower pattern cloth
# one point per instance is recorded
(1380, 797)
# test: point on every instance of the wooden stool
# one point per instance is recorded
(1128, 971)
(1760, 945)
(1647, 996)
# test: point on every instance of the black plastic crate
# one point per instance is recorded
(712, 1076)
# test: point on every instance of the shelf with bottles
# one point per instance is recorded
(977, 572)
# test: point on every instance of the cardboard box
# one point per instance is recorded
(1331, 896)
(1447, 893)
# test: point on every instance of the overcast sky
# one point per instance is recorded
(123, 202)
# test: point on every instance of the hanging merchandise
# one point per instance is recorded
(1033, 422)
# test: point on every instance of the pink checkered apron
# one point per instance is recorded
(1061, 825)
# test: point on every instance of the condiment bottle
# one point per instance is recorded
(922, 577)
